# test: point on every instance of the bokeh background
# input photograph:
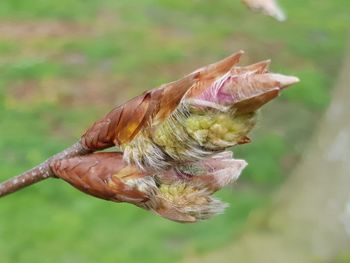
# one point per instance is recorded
(65, 63)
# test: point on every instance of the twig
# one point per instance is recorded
(40, 172)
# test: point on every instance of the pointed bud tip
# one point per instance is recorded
(239, 53)
(235, 57)
(283, 80)
(243, 163)
(290, 80)
(280, 16)
(264, 65)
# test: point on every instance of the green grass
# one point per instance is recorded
(64, 63)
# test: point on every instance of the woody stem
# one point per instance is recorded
(41, 171)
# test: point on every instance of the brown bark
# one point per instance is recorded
(40, 172)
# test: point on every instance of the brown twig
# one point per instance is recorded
(41, 171)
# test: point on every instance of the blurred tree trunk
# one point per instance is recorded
(310, 219)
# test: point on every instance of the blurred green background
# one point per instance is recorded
(65, 63)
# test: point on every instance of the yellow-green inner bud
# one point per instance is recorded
(188, 136)
(212, 130)
(182, 194)
(218, 128)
